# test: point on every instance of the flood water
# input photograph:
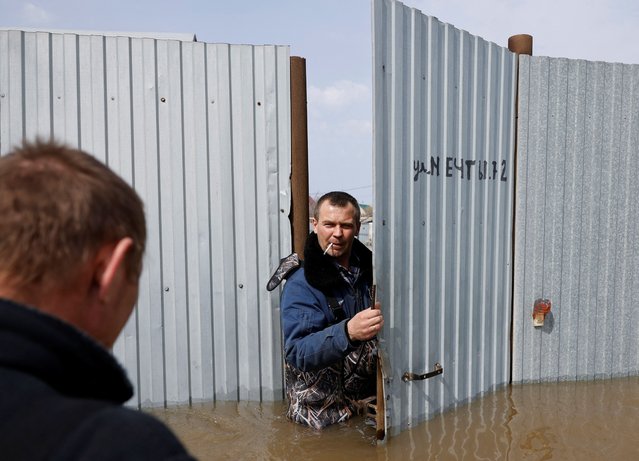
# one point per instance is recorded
(560, 421)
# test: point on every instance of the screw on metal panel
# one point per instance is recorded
(166, 288)
(241, 285)
(163, 99)
(259, 103)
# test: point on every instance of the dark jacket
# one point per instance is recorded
(325, 375)
(61, 397)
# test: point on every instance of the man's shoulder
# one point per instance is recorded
(297, 276)
(296, 282)
(116, 432)
(128, 418)
(297, 286)
(75, 428)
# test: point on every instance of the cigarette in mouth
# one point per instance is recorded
(328, 248)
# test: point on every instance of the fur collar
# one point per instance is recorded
(320, 271)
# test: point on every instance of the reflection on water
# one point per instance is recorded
(561, 421)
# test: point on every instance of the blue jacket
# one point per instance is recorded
(314, 337)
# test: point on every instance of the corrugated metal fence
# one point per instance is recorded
(577, 217)
(443, 161)
(202, 131)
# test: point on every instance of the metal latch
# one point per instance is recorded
(415, 377)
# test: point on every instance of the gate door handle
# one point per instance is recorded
(415, 377)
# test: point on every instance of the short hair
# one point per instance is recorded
(58, 205)
(338, 199)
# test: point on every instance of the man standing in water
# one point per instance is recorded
(328, 321)
(72, 236)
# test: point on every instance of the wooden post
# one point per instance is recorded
(299, 155)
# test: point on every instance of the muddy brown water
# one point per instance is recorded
(560, 421)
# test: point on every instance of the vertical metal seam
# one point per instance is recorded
(256, 218)
(545, 205)
(280, 207)
(411, 191)
(599, 212)
(105, 97)
(524, 250)
(79, 84)
(581, 228)
(233, 214)
(442, 282)
(23, 95)
(209, 206)
(628, 155)
(185, 247)
(473, 143)
(51, 111)
(563, 218)
(133, 183)
(458, 82)
(613, 194)
(160, 234)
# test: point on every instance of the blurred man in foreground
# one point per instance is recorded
(72, 236)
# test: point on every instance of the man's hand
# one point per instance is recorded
(365, 324)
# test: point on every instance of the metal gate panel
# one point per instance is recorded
(444, 105)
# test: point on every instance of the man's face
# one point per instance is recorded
(336, 225)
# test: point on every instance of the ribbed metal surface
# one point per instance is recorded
(577, 217)
(184, 36)
(202, 132)
(443, 170)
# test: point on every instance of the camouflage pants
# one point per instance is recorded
(327, 396)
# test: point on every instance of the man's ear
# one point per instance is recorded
(114, 271)
(314, 222)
